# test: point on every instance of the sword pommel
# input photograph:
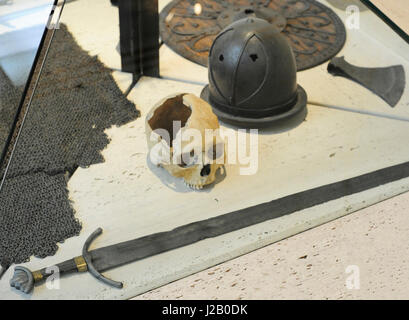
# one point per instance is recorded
(22, 280)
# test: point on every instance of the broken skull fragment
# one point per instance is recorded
(171, 124)
(253, 75)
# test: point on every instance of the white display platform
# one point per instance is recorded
(129, 199)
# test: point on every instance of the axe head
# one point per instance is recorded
(387, 83)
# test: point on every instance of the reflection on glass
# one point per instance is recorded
(22, 24)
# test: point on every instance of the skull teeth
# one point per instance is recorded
(193, 186)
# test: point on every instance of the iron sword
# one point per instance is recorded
(104, 259)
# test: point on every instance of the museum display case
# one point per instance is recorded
(191, 132)
(22, 31)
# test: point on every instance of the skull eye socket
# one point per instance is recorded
(216, 151)
(187, 159)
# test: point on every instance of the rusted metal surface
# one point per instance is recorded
(315, 32)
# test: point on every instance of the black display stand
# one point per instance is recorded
(139, 36)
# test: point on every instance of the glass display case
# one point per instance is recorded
(191, 132)
(22, 30)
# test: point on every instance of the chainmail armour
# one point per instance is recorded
(76, 100)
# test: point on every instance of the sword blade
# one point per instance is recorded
(130, 251)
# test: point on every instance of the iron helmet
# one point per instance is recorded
(253, 75)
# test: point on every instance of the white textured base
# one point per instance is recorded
(128, 199)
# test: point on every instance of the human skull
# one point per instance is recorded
(171, 124)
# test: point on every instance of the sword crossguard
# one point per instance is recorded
(94, 272)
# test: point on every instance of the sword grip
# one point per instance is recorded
(24, 279)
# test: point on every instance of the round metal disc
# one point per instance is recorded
(314, 31)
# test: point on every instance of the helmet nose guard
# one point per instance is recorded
(253, 75)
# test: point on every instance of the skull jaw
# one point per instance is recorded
(191, 176)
